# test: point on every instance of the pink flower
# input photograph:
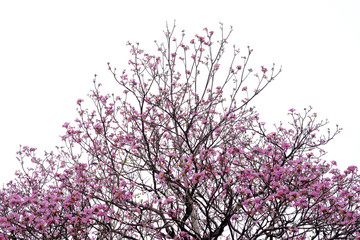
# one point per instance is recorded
(285, 145)
(79, 101)
(264, 70)
(169, 200)
(98, 128)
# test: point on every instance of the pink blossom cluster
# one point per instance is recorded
(181, 155)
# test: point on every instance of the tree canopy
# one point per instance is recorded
(180, 154)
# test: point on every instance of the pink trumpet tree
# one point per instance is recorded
(180, 154)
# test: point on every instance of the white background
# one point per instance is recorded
(50, 50)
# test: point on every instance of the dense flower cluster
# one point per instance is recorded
(171, 158)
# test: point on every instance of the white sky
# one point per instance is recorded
(50, 50)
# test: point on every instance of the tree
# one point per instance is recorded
(181, 155)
